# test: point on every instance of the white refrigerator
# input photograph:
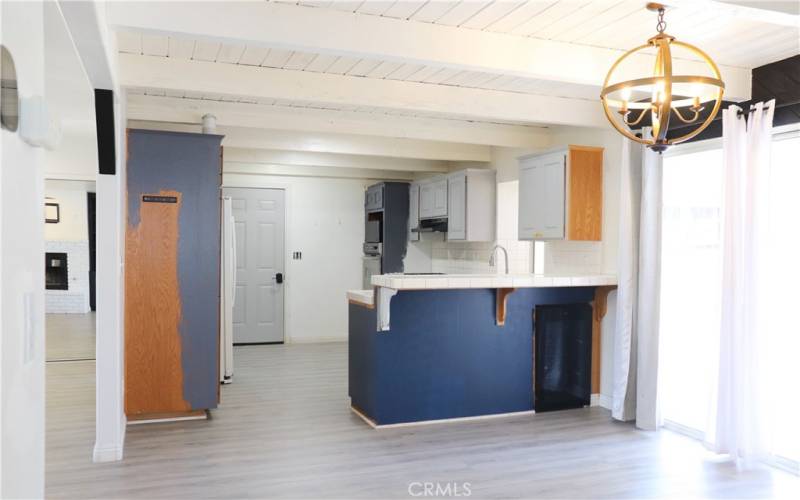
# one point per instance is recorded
(227, 291)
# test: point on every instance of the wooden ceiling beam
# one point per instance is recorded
(180, 110)
(333, 32)
(168, 74)
(336, 143)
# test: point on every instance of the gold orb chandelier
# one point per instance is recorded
(666, 96)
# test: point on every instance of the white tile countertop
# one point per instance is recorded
(364, 297)
(387, 285)
(446, 281)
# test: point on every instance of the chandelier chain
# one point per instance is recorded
(662, 25)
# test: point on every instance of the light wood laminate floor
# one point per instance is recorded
(284, 430)
(70, 336)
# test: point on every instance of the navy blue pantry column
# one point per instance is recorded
(172, 260)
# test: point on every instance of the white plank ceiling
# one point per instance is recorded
(203, 50)
(616, 24)
(730, 39)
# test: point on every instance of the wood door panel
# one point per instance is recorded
(585, 194)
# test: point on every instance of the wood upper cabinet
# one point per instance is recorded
(561, 195)
(433, 198)
(471, 205)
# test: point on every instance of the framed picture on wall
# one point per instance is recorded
(52, 213)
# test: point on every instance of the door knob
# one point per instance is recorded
(279, 278)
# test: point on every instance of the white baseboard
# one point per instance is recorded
(112, 452)
(601, 400)
(317, 339)
(107, 453)
(374, 425)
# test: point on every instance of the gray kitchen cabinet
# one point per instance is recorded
(542, 196)
(471, 205)
(413, 212)
(374, 198)
(433, 198)
(457, 206)
(560, 194)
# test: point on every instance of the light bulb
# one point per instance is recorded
(696, 93)
(658, 92)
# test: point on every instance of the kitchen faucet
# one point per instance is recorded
(491, 256)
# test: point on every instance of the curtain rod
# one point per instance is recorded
(742, 112)
(777, 106)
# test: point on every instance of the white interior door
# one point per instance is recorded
(259, 216)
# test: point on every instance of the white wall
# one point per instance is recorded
(72, 199)
(21, 271)
(76, 156)
(419, 254)
(71, 101)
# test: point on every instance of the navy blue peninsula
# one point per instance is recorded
(427, 348)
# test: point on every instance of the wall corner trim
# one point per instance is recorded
(106, 453)
(110, 452)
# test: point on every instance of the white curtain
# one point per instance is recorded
(738, 419)
(623, 401)
(635, 371)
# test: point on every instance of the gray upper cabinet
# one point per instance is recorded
(542, 196)
(433, 198)
(413, 212)
(374, 197)
(471, 205)
(457, 206)
(561, 195)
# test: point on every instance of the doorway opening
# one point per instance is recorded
(69, 272)
(70, 183)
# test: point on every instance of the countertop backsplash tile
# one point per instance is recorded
(573, 257)
(570, 257)
(459, 257)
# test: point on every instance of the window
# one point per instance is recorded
(690, 280)
(691, 292)
(784, 275)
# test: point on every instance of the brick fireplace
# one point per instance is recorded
(67, 277)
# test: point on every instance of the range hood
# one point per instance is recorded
(438, 225)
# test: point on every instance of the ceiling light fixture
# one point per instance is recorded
(626, 101)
